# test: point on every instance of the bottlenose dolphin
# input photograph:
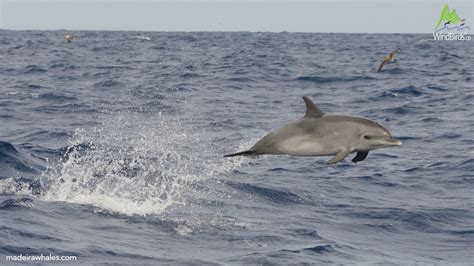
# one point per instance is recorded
(387, 59)
(318, 134)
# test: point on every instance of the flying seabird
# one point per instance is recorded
(69, 37)
(388, 58)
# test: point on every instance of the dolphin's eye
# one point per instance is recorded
(367, 137)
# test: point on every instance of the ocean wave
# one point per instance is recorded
(15, 203)
(320, 79)
(34, 69)
(56, 97)
(409, 90)
(14, 161)
(274, 195)
(108, 83)
(402, 110)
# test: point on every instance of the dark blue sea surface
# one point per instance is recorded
(111, 148)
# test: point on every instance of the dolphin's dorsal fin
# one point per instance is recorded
(311, 109)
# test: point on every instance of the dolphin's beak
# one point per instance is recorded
(393, 142)
(388, 142)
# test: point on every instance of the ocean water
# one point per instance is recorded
(111, 148)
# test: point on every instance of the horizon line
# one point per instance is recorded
(217, 31)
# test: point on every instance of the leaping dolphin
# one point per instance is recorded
(387, 59)
(318, 134)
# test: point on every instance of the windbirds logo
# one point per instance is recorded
(451, 27)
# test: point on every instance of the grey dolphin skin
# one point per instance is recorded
(318, 134)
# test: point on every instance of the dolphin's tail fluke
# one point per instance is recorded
(242, 153)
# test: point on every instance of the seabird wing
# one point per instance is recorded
(382, 64)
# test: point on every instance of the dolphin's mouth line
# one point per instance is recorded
(393, 141)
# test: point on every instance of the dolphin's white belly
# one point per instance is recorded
(306, 145)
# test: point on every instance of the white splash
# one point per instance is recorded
(132, 164)
(10, 186)
(129, 164)
(143, 38)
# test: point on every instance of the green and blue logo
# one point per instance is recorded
(449, 20)
(451, 27)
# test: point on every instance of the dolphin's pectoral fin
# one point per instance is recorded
(339, 156)
(360, 156)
